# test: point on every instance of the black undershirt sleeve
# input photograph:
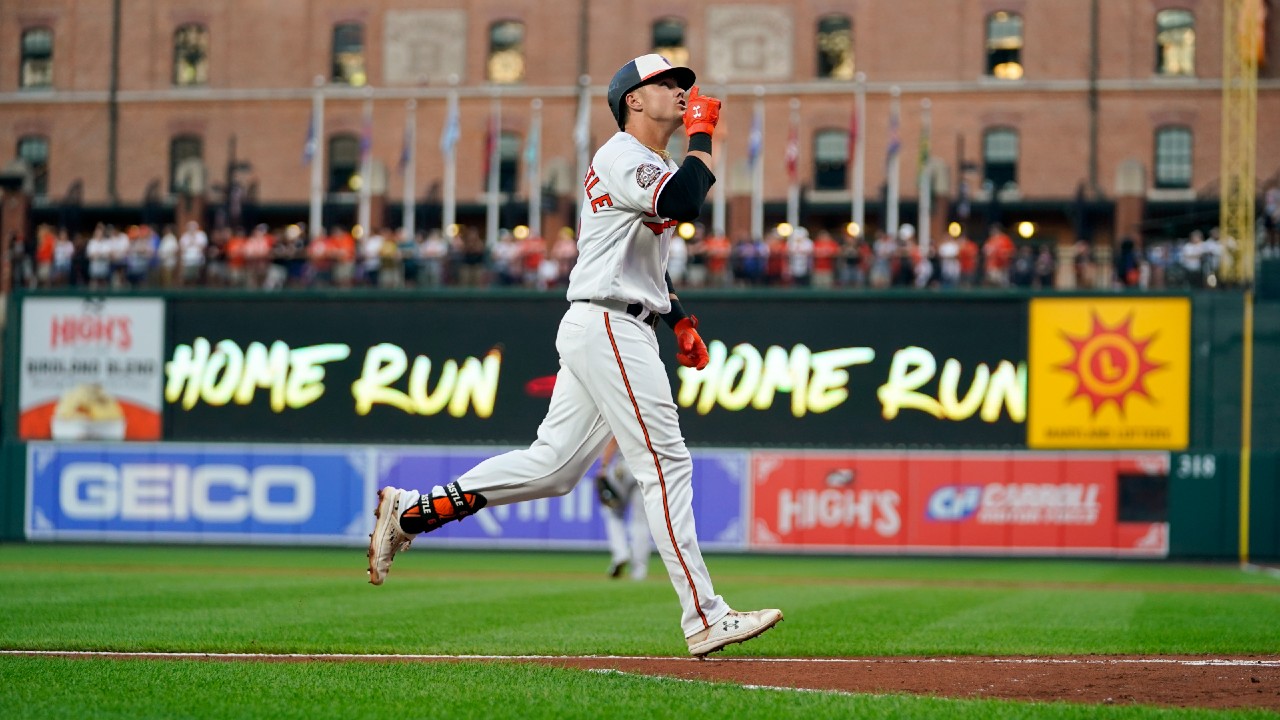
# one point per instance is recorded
(685, 192)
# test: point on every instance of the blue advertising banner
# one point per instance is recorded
(573, 520)
(199, 493)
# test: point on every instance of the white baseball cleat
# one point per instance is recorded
(735, 627)
(387, 538)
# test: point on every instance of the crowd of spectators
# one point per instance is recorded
(142, 256)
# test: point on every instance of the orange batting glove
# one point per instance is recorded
(701, 113)
(691, 351)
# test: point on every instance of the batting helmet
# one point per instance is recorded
(644, 69)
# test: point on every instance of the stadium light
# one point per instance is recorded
(1026, 229)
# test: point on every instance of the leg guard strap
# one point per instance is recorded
(432, 511)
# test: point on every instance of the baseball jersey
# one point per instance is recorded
(622, 243)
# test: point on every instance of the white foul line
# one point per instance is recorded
(1213, 662)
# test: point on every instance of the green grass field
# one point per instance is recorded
(261, 600)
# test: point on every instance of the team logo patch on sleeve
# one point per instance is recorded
(647, 175)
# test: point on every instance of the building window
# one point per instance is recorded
(1004, 45)
(1000, 159)
(835, 47)
(348, 55)
(37, 58)
(1173, 157)
(191, 55)
(344, 163)
(830, 160)
(1175, 42)
(34, 149)
(181, 149)
(506, 52)
(509, 162)
(668, 41)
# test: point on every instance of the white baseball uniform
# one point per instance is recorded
(611, 379)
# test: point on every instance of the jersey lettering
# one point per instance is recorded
(598, 202)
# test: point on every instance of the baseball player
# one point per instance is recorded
(611, 380)
(628, 532)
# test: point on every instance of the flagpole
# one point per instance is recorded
(410, 167)
(366, 162)
(534, 162)
(495, 159)
(757, 171)
(582, 136)
(793, 182)
(891, 199)
(316, 217)
(860, 154)
(721, 172)
(449, 213)
(926, 176)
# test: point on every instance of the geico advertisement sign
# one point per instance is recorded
(951, 501)
(206, 493)
(292, 378)
(181, 492)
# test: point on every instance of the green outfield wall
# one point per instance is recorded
(894, 372)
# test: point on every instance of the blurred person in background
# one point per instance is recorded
(192, 246)
(1271, 222)
(969, 256)
(1022, 271)
(677, 259)
(949, 262)
(997, 254)
(626, 525)
(800, 257)
(118, 242)
(433, 256)
(775, 260)
(237, 276)
(565, 253)
(1082, 263)
(64, 253)
(46, 240)
(140, 256)
(369, 250)
(319, 262)
(1192, 258)
(1127, 263)
(533, 249)
(342, 252)
(473, 256)
(1215, 252)
(167, 257)
(98, 252)
(696, 269)
(826, 254)
(884, 250)
(390, 260)
(717, 249)
(505, 260)
(411, 266)
(257, 251)
(1046, 268)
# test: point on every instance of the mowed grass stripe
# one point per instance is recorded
(63, 688)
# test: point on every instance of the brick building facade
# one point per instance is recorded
(1044, 110)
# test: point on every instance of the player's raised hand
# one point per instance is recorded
(690, 350)
(701, 112)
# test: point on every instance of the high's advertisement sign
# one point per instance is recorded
(937, 502)
(1110, 373)
(91, 369)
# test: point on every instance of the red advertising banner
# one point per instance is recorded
(1015, 503)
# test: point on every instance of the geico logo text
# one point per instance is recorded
(278, 494)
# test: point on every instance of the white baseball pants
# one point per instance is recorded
(612, 381)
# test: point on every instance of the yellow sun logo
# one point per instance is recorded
(1110, 364)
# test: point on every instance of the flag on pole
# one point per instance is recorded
(366, 139)
(756, 138)
(793, 150)
(309, 147)
(404, 146)
(490, 145)
(449, 135)
(853, 134)
(895, 139)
